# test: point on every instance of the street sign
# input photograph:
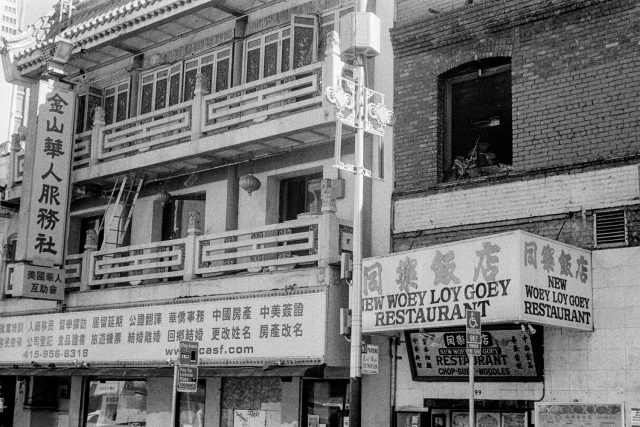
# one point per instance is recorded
(187, 381)
(188, 352)
(370, 359)
(474, 339)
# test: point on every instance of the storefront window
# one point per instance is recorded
(116, 403)
(327, 402)
(191, 407)
(254, 402)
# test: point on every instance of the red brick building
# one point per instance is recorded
(521, 115)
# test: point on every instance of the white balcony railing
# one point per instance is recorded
(207, 114)
(313, 241)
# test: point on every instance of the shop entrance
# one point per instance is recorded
(455, 413)
(7, 400)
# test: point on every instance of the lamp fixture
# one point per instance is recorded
(163, 197)
(249, 182)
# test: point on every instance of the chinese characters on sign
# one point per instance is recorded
(509, 277)
(31, 281)
(267, 327)
(50, 180)
(506, 353)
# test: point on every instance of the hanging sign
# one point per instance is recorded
(32, 281)
(187, 381)
(50, 174)
(370, 355)
(513, 277)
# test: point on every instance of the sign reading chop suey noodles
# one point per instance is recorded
(508, 277)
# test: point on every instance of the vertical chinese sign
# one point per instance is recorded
(44, 217)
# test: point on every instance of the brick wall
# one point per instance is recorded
(574, 75)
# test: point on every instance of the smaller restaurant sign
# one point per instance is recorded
(513, 277)
(506, 354)
(579, 414)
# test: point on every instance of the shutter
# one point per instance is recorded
(610, 228)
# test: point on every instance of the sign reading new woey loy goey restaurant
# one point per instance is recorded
(513, 277)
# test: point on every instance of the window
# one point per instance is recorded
(330, 22)
(116, 403)
(300, 195)
(86, 107)
(326, 402)
(160, 89)
(477, 119)
(175, 214)
(191, 407)
(216, 73)
(116, 103)
(283, 50)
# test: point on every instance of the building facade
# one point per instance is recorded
(516, 160)
(203, 206)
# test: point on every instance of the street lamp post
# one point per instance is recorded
(361, 32)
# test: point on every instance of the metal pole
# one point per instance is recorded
(472, 413)
(355, 374)
(174, 400)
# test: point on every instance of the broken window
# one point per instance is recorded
(477, 119)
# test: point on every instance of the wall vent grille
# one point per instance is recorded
(610, 228)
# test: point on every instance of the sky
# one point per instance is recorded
(36, 8)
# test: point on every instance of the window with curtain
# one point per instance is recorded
(116, 103)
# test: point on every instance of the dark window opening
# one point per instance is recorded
(477, 119)
(175, 214)
(90, 223)
(326, 402)
(300, 195)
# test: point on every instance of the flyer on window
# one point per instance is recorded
(579, 414)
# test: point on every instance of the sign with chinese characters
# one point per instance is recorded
(32, 281)
(248, 331)
(49, 183)
(579, 414)
(505, 355)
(513, 277)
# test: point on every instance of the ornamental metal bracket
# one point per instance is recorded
(376, 116)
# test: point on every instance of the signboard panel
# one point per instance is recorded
(187, 379)
(509, 278)
(507, 354)
(49, 183)
(370, 359)
(249, 418)
(579, 414)
(473, 332)
(188, 353)
(228, 331)
(32, 281)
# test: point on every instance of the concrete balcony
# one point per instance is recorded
(277, 114)
(315, 241)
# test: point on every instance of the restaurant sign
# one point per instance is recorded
(513, 277)
(228, 332)
(505, 355)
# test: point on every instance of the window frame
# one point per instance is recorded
(484, 69)
(283, 194)
(281, 36)
(153, 78)
(87, 391)
(84, 119)
(214, 58)
(114, 91)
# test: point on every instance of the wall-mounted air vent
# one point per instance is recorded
(610, 228)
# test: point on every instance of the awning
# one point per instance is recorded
(309, 371)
